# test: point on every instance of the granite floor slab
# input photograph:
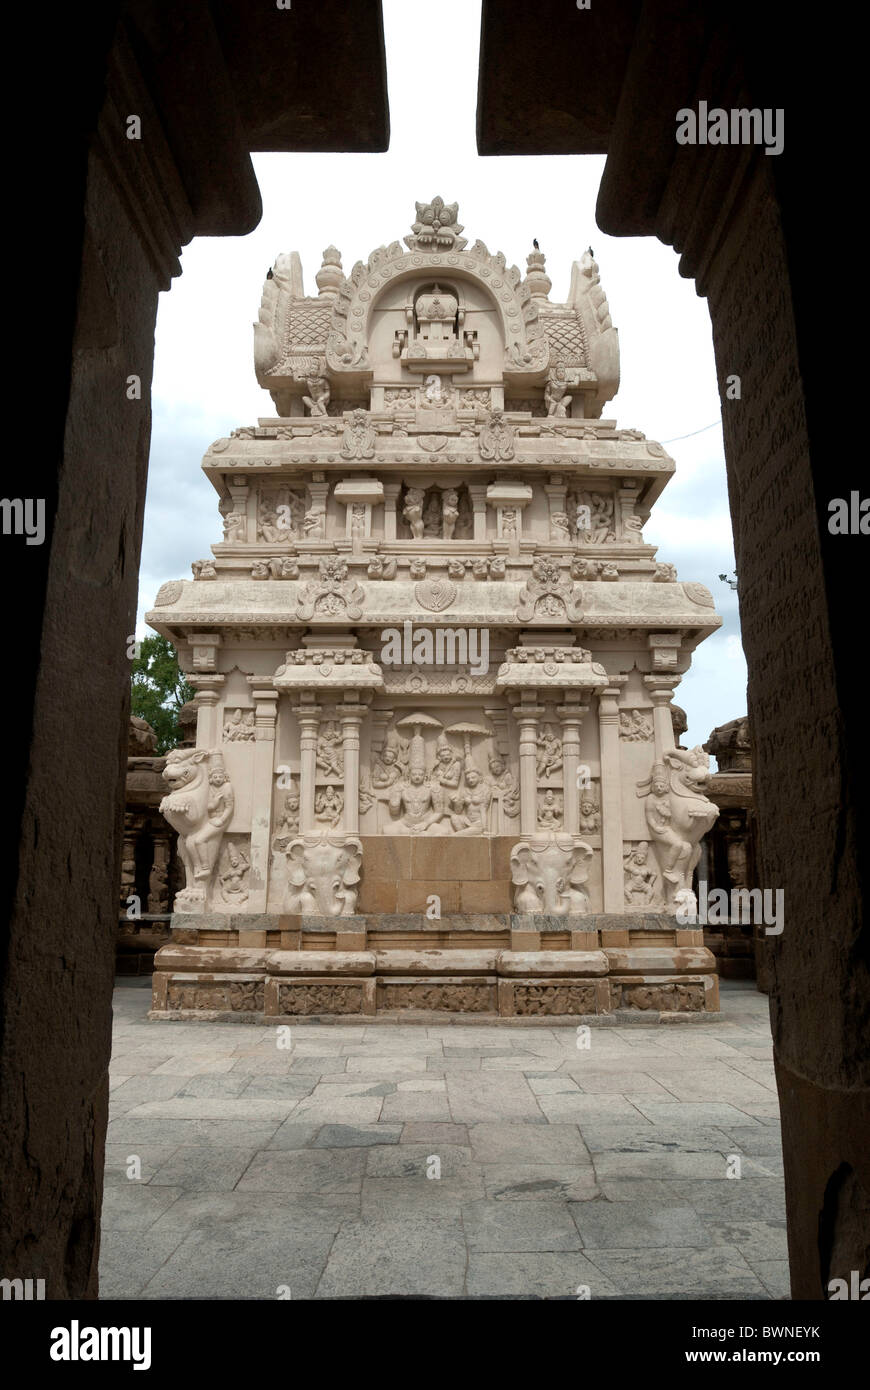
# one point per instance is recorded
(443, 1161)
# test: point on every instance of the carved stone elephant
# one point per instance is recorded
(321, 874)
(547, 873)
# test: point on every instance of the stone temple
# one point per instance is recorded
(435, 768)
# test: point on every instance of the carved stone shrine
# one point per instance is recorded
(434, 658)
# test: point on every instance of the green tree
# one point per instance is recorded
(159, 690)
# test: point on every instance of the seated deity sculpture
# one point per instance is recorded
(550, 810)
(419, 804)
(469, 808)
(328, 806)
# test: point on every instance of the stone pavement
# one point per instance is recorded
(313, 1172)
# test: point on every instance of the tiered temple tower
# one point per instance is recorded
(434, 661)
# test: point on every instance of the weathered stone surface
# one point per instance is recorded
(552, 963)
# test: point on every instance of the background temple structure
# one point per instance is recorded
(435, 766)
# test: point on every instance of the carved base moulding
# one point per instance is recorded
(366, 984)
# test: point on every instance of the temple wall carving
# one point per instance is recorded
(431, 622)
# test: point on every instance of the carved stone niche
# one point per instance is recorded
(359, 496)
(509, 498)
(548, 872)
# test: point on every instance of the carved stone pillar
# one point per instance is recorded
(611, 799)
(351, 713)
(128, 860)
(391, 497)
(477, 493)
(318, 489)
(626, 501)
(661, 692)
(557, 495)
(158, 886)
(266, 709)
(527, 714)
(208, 689)
(571, 717)
(240, 491)
(308, 715)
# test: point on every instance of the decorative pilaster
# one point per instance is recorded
(626, 501)
(477, 493)
(661, 692)
(557, 498)
(208, 689)
(611, 799)
(527, 714)
(240, 491)
(351, 713)
(266, 708)
(391, 497)
(308, 716)
(571, 717)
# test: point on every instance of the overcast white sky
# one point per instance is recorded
(204, 384)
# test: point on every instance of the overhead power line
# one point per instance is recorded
(676, 439)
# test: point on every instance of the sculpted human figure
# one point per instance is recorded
(640, 879)
(550, 811)
(328, 806)
(595, 523)
(318, 399)
(447, 771)
(387, 769)
(449, 513)
(504, 786)
(233, 881)
(412, 511)
(288, 826)
(432, 516)
(465, 522)
(549, 752)
(233, 726)
(269, 527)
(590, 817)
(329, 757)
(470, 808)
(556, 394)
(417, 802)
(221, 799)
